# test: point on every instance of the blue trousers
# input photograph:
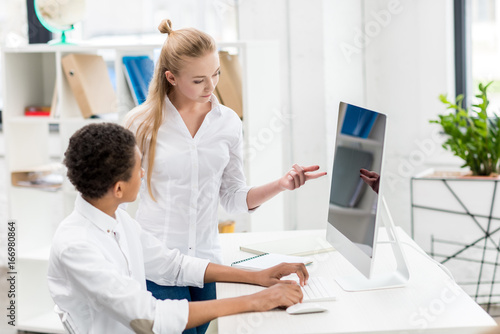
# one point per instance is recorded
(184, 292)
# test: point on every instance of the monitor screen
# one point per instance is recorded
(355, 178)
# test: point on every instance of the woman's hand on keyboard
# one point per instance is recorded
(279, 295)
(273, 275)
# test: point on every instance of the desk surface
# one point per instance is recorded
(429, 303)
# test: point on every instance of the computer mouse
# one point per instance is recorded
(302, 308)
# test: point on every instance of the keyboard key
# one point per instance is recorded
(318, 289)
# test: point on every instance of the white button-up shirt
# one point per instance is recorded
(98, 268)
(189, 177)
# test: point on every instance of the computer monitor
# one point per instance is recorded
(356, 205)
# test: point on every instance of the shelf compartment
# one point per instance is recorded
(29, 142)
(31, 81)
(36, 216)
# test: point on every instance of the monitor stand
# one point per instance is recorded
(395, 279)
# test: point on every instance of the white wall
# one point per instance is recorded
(268, 20)
(13, 23)
(298, 26)
(127, 17)
(408, 64)
(398, 66)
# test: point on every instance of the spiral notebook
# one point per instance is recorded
(268, 260)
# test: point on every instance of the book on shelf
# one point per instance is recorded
(138, 72)
(37, 111)
(347, 185)
(358, 121)
(88, 78)
(229, 88)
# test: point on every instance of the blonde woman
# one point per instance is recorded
(192, 148)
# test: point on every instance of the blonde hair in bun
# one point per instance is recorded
(165, 26)
(185, 43)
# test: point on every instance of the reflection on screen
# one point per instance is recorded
(356, 174)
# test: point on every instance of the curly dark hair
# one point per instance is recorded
(98, 156)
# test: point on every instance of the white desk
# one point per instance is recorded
(430, 303)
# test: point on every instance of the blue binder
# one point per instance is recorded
(139, 72)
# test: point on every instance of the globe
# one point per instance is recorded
(59, 16)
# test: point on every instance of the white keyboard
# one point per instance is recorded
(318, 289)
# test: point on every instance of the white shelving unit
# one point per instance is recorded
(30, 75)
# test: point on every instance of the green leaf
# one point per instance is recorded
(470, 134)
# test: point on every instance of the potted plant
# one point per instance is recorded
(472, 135)
(454, 215)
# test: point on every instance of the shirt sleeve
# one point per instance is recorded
(120, 296)
(168, 266)
(234, 190)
